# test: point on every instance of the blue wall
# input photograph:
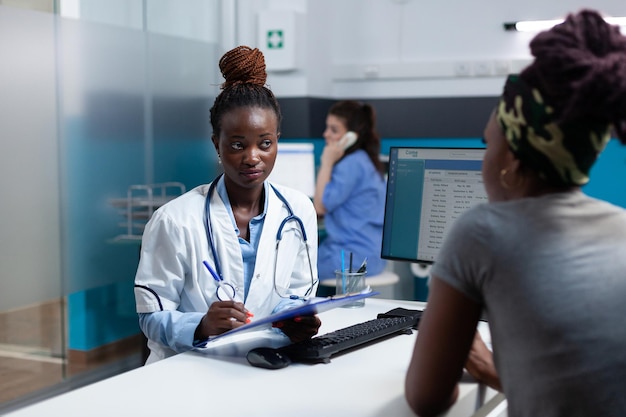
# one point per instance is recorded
(608, 175)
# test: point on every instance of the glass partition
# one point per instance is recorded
(100, 123)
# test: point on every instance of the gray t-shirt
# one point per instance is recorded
(550, 273)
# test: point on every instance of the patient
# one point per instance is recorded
(545, 262)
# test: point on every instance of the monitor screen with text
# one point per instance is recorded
(427, 189)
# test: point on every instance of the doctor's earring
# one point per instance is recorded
(504, 183)
(219, 159)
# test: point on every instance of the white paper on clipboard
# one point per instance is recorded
(314, 305)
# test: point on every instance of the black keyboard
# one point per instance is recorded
(321, 348)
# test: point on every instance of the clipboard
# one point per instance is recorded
(312, 306)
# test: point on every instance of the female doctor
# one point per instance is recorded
(237, 249)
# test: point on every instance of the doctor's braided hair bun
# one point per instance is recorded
(580, 70)
(243, 69)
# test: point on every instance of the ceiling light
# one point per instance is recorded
(539, 25)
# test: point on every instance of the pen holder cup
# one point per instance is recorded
(350, 282)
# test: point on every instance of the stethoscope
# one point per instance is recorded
(279, 235)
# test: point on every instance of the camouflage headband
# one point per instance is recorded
(562, 153)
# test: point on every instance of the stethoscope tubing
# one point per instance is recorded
(290, 217)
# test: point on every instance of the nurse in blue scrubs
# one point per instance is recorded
(350, 190)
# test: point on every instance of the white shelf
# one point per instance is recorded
(140, 203)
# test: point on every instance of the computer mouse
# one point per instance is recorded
(268, 358)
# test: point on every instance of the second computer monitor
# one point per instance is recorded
(427, 189)
(295, 167)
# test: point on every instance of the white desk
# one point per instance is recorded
(365, 382)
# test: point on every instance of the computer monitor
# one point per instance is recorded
(295, 167)
(427, 189)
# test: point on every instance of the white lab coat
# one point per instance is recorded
(175, 243)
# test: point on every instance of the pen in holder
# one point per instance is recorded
(350, 282)
(343, 277)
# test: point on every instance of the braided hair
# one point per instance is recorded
(580, 69)
(243, 69)
(361, 119)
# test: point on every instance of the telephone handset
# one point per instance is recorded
(348, 139)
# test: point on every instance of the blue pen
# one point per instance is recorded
(343, 272)
(218, 280)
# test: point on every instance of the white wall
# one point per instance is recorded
(365, 48)
(406, 48)
(284, 83)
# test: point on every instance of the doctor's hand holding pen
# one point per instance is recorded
(228, 314)
(221, 317)
(225, 314)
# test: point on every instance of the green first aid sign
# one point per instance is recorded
(275, 39)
